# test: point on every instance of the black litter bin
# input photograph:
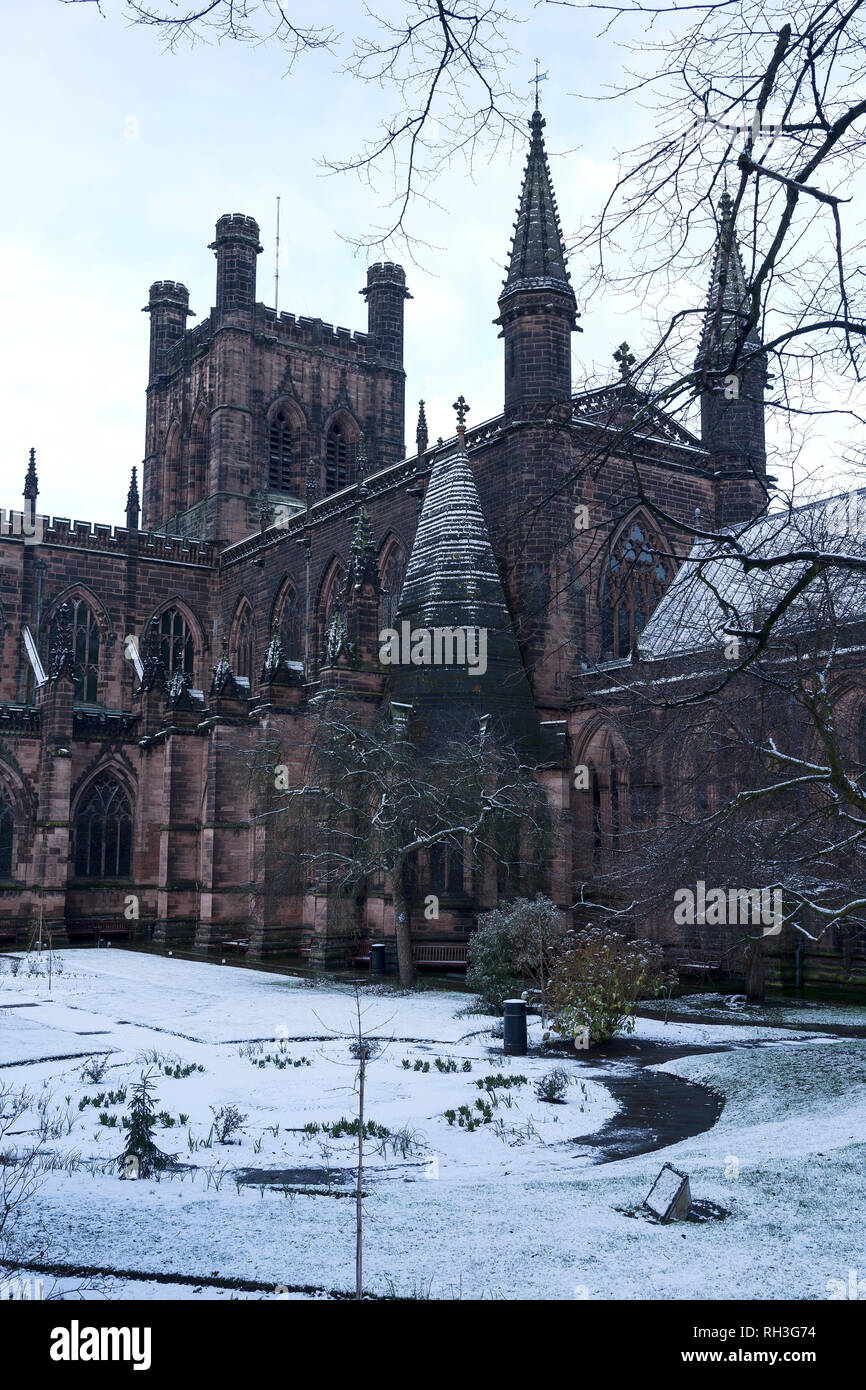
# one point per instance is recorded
(514, 1028)
(377, 958)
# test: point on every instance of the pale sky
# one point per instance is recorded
(118, 158)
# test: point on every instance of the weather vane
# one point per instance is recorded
(539, 77)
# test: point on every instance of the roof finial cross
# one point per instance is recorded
(462, 408)
(539, 77)
(624, 357)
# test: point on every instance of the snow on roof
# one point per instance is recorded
(712, 592)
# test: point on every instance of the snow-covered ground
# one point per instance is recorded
(509, 1208)
(805, 1013)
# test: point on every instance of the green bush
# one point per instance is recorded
(598, 980)
(553, 1085)
(512, 944)
(490, 973)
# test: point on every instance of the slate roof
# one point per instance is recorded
(452, 581)
(711, 590)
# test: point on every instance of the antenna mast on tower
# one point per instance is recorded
(277, 265)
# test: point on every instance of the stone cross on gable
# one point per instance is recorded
(625, 359)
(462, 408)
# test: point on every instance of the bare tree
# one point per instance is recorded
(769, 755)
(372, 798)
(444, 64)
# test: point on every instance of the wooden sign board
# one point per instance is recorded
(670, 1197)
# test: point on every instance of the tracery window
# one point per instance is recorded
(290, 627)
(637, 575)
(245, 644)
(446, 869)
(103, 831)
(176, 646)
(393, 574)
(85, 649)
(339, 456)
(284, 450)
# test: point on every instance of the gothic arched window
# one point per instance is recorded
(171, 473)
(290, 626)
(446, 869)
(614, 797)
(245, 644)
(176, 647)
(85, 650)
(637, 575)
(7, 833)
(197, 458)
(339, 456)
(283, 451)
(331, 609)
(393, 574)
(596, 822)
(103, 831)
(861, 738)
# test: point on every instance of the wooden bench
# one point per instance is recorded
(238, 944)
(438, 955)
(8, 932)
(115, 929)
(699, 969)
(354, 958)
(306, 950)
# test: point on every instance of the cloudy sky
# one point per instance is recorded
(118, 158)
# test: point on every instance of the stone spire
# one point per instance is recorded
(728, 302)
(61, 653)
(155, 674)
(362, 554)
(732, 378)
(538, 259)
(452, 582)
(537, 308)
(133, 505)
(422, 438)
(362, 464)
(31, 482)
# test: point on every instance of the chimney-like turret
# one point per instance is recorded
(168, 306)
(236, 247)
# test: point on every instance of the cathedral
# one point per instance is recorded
(279, 525)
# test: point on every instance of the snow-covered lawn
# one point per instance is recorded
(506, 1207)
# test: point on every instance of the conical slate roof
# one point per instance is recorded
(728, 301)
(537, 252)
(452, 581)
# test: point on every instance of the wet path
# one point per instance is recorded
(656, 1108)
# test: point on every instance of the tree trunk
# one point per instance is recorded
(405, 965)
(755, 972)
(359, 1199)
